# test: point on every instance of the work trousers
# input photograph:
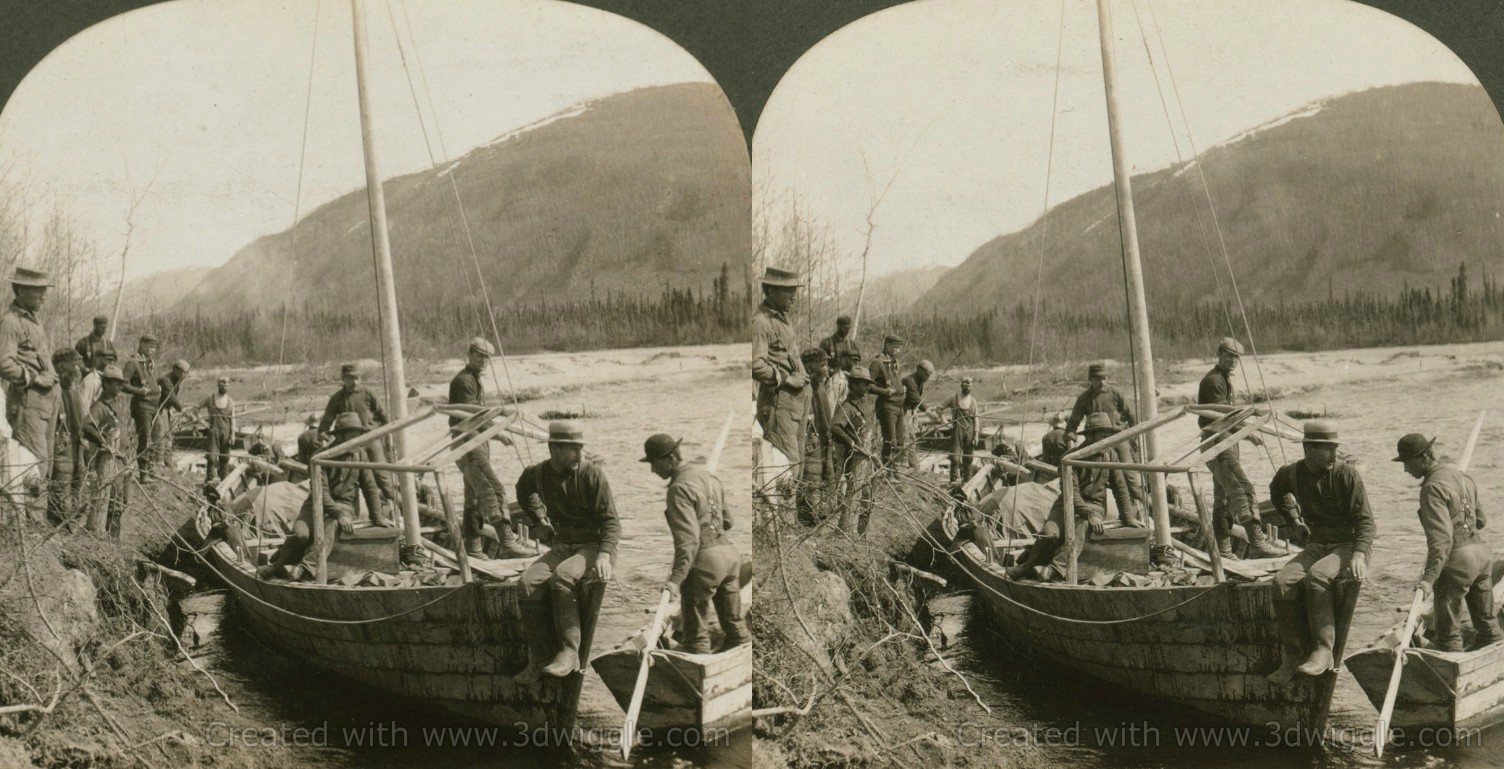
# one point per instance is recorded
(1467, 576)
(1233, 495)
(894, 431)
(1314, 569)
(485, 496)
(63, 485)
(714, 579)
(855, 475)
(1054, 529)
(298, 547)
(963, 441)
(32, 414)
(111, 493)
(218, 455)
(815, 481)
(561, 569)
(150, 429)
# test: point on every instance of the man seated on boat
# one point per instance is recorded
(1459, 564)
(1101, 398)
(707, 566)
(850, 437)
(309, 443)
(781, 395)
(570, 504)
(341, 489)
(961, 409)
(1048, 561)
(1324, 499)
(817, 473)
(1233, 497)
(485, 497)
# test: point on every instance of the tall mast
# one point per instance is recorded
(1145, 392)
(391, 335)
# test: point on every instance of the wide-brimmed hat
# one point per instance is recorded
(775, 276)
(659, 446)
(25, 276)
(1320, 431)
(480, 345)
(1413, 445)
(1099, 422)
(349, 421)
(1096, 370)
(112, 372)
(1231, 345)
(566, 431)
(860, 374)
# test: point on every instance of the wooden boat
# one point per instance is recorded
(702, 691)
(454, 644)
(1197, 640)
(1450, 690)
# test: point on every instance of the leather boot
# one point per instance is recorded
(475, 546)
(1323, 633)
(1224, 547)
(728, 609)
(537, 625)
(1259, 545)
(1480, 606)
(1291, 641)
(567, 626)
(511, 546)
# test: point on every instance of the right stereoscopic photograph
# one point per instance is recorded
(1128, 381)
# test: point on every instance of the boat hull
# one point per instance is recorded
(705, 691)
(450, 647)
(1198, 648)
(1458, 690)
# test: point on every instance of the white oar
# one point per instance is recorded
(1380, 735)
(629, 728)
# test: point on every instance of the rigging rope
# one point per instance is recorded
(1216, 223)
(454, 187)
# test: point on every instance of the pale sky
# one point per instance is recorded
(951, 101)
(212, 93)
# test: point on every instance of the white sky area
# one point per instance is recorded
(208, 97)
(950, 101)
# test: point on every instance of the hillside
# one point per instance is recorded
(1364, 192)
(895, 292)
(623, 194)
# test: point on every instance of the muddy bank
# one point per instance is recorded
(847, 672)
(94, 675)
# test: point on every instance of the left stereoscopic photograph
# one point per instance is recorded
(368, 373)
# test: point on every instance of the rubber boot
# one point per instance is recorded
(511, 546)
(537, 625)
(1323, 633)
(728, 609)
(567, 626)
(1291, 639)
(1480, 606)
(1259, 545)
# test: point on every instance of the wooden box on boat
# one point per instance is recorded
(708, 691)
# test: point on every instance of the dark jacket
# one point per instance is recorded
(576, 503)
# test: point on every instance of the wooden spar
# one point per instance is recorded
(461, 554)
(391, 334)
(1381, 731)
(1147, 397)
(629, 727)
(720, 444)
(1472, 443)
(383, 466)
(1206, 526)
(1068, 524)
(1131, 466)
(315, 484)
(1123, 436)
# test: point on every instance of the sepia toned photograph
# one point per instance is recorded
(373, 379)
(1127, 383)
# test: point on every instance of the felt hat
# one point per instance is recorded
(1413, 445)
(25, 276)
(860, 374)
(659, 446)
(774, 276)
(566, 431)
(1320, 431)
(112, 372)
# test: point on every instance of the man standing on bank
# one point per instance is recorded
(102, 430)
(26, 366)
(1459, 564)
(707, 566)
(838, 345)
(1233, 496)
(485, 497)
(67, 459)
(965, 426)
(1339, 529)
(352, 397)
(146, 397)
(816, 475)
(95, 342)
(170, 385)
(888, 388)
(219, 413)
(782, 398)
(570, 504)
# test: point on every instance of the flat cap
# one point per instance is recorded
(1230, 345)
(813, 354)
(566, 431)
(26, 276)
(480, 345)
(1096, 370)
(1319, 431)
(112, 372)
(101, 319)
(775, 276)
(926, 367)
(181, 365)
(149, 338)
(1413, 445)
(843, 320)
(349, 369)
(892, 339)
(65, 355)
(659, 446)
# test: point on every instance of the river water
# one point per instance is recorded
(626, 396)
(1374, 397)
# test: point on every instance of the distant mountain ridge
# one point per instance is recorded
(1364, 192)
(622, 194)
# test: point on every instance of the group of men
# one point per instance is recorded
(822, 409)
(67, 408)
(566, 499)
